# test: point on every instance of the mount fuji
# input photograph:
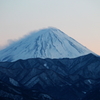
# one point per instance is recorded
(45, 43)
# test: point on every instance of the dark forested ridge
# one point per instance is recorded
(51, 79)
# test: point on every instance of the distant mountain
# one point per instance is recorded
(51, 79)
(45, 43)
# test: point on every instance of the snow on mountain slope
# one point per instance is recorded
(45, 43)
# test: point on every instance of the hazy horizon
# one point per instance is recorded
(78, 19)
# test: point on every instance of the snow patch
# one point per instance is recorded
(45, 65)
(90, 81)
(15, 83)
(84, 92)
(45, 96)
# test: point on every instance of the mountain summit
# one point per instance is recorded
(45, 43)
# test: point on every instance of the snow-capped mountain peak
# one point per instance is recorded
(45, 43)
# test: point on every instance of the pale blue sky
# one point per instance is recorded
(79, 19)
